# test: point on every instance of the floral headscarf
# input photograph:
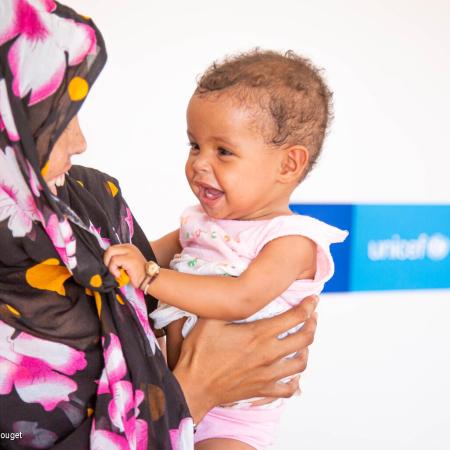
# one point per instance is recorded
(79, 364)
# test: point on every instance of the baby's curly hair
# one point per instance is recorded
(286, 86)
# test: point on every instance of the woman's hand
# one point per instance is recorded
(225, 362)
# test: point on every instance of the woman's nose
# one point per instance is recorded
(78, 140)
(81, 144)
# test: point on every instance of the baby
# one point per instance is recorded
(256, 124)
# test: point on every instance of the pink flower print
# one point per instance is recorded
(16, 202)
(123, 407)
(36, 383)
(63, 240)
(124, 402)
(40, 378)
(137, 301)
(123, 410)
(114, 360)
(183, 437)
(42, 42)
(103, 384)
(7, 372)
(102, 439)
(60, 357)
(129, 221)
(35, 184)
(6, 117)
(121, 403)
(96, 232)
(141, 434)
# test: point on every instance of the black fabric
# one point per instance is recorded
(79, 364)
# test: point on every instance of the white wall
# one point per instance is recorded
(379, 369)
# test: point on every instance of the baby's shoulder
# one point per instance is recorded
(298, 225)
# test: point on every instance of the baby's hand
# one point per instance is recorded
(129, 258)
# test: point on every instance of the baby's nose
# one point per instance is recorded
(202, 164)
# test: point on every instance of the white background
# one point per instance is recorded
(379, 373)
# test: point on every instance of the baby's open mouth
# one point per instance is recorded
(212, 193)
(208, 194)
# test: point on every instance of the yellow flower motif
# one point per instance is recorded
(96, 281)
(113, 188)
(119, 299)
(44, 170)
(98, 302)
(78, 89)
(49, 276)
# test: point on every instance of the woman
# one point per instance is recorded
(79, 364)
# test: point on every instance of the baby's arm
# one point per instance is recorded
(166, 247)
(278, 265)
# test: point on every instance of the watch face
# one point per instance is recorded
(152, 268)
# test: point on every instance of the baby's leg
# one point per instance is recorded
(222, 444)
(174, 340)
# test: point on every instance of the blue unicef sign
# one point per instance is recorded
(389, 246)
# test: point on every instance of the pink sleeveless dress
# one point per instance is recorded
(227, 247)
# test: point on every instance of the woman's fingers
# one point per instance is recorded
(285, 390)
(287, 367)
(294, 342)
(245, 360)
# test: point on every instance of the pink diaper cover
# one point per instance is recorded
(253, 425)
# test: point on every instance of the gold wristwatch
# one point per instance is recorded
(151, 272)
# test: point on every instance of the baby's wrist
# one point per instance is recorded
(151, 271)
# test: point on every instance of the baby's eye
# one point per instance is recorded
(224, 152)
(193, 147)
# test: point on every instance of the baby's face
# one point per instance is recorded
(230, 168)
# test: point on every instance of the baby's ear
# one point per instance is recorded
(294, 164)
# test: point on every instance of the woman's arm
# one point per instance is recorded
(277, 266)
(166, 247)
(223, 363)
